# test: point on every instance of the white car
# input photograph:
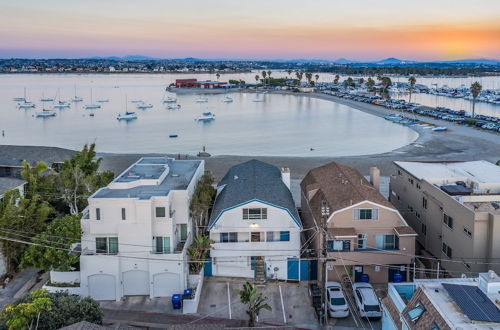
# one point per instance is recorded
(337, 304)
(366, 300)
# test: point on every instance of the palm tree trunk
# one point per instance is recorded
(473, 107)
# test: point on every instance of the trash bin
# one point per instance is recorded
(397, 277)
(365, 278)
(176, 301)
(188, 294)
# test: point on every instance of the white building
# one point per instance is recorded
(254, 223)
(137, 230)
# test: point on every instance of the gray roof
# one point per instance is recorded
(7, 184)
(180, 174)
(14, 155)
(253, 180)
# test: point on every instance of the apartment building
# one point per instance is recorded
(455, 209)
(255, 224)
(443, 304)
(362, 232)
(137, 229)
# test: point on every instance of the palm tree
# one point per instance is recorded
(370, 83)
(299, 76)
(32, 176)
(254, 301)
(475, 89)
(412, 80)
(289, 71)
(336, 80)
(316, 77)
(217, 75)
(264, 75)
(257, 77)
(198, 252)
(309, 76)
(361, 81)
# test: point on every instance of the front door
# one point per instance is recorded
(184, 232)
(358, 272)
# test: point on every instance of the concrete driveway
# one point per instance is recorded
(220, 299)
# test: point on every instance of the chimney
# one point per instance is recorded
(285, 176)
(375, 177)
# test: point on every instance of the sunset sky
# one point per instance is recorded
(256, 29)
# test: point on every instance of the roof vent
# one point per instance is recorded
(235, 177)
(175, 175)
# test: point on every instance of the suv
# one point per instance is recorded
(337, 304)
(366, 300)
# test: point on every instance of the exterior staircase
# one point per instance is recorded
(260, 271)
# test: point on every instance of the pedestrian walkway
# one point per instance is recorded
(20, 285)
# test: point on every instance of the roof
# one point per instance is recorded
(151, 176)
(7, 184)
(405, 231)
(249, 181)
(342, 186)
(84, 325)
(13, 156)
(342, 232)
(473, 302)
(479, 171)
(393, 311)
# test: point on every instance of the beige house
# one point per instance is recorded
(360, 230)
(455, 209)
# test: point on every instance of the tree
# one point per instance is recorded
(257, 77)
(475, 89)
(20, 218)
(269, 74)
(36, 182)
(61, 233)
(198, 252)
(299, 76)
(217, 75)
(316, 76)
(386, 83)
(336, 80)
(370, 83)
(21, 316)
(202, 200)
(264, 75)
(412, 81)
(361, 81)
(254, 300)
(289, 71)
(309, 77)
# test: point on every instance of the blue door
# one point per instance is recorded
(358, 272)
(293, 269)
(208, 267)
(304, 270)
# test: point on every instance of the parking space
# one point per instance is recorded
(220, 298)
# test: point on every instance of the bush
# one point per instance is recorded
(470, 122)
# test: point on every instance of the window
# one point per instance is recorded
(362, 241)
(270, 236)
(424, 229)
(255, 214)
(365, 214)
(124, 217)
(339, 245)
(284, 236)
(447, 250)
(467, 232)
(410, 180)
(399, 172)
(98, 214)
(417, 215)
(424, 202)
(410, 208)
(419, 186)
(448, 220)
(416, 312)
(162, 244)
(387, 242)
(228, 237)
(106, 245)
(255, 236)
(160, 212)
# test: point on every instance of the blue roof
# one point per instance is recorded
(253, 181)
(473, 302)
(180, 174)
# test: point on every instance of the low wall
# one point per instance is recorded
(74, 290)
(190, 306)
(64, 277)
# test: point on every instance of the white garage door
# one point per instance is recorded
(102, 287)
(135, 283)
(166, 284)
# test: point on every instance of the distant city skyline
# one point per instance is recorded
(362, 30)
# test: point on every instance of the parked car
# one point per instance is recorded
(337, 303)
(366, 300)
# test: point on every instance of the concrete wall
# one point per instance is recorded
(64, 277)
(190, 306)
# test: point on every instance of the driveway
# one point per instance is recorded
(220, 299)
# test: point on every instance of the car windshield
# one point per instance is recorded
(372, 308)
(337, 301)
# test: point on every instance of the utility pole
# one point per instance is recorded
(437, 273)
(325, 213)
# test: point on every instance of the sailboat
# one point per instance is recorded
(92, 105)
(76, 98)
(227, 99)
(60, 104)
(46, 99)
(20, 99)
(128, 115)
(45, 113)
(25, 104)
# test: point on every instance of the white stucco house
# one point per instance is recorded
(137, 230)
(254, 223)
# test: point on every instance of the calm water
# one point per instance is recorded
(283, 125)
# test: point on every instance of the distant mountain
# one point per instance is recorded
(485, 61)
(125, 58)
(343, 61)
(393, 60)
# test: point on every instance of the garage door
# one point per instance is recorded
(166, 284)
(102, 287)
(135, 283)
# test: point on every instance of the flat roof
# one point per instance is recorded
(479, 171)
(180, 174)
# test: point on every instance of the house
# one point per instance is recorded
(362, 233)
(444, 304)
(137, 229)
(254, 224)
(194, 83)
(186, 83)
(455, 209)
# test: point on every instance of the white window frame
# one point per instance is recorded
(357, 214)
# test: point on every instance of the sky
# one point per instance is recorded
(251, 29)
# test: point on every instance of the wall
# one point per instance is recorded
(64, 277)
(190, 306)
(70, 290)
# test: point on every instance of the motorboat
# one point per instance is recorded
(92, 106)
(173, 136)
(144, 106)
(127, 116)
(202, 100)
(26, 105)
(227, 99)
(47, 99)
(206, 116)
(103, 100)
(61, 105)
(45, 113)
(440, 129)
(174, 107)
(19, 99)
(170, 100)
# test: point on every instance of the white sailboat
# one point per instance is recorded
(25, 104)
(46, 99)
(60, 104)
(206, 116)
(202, 100)
(92, 106)
(227, 99)
(76, 98)
(128, 115)
(45, 113)
(143, 106)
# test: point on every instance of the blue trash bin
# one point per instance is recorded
(176, 301)
(397, 277)
(188, 291)
(365, 278)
